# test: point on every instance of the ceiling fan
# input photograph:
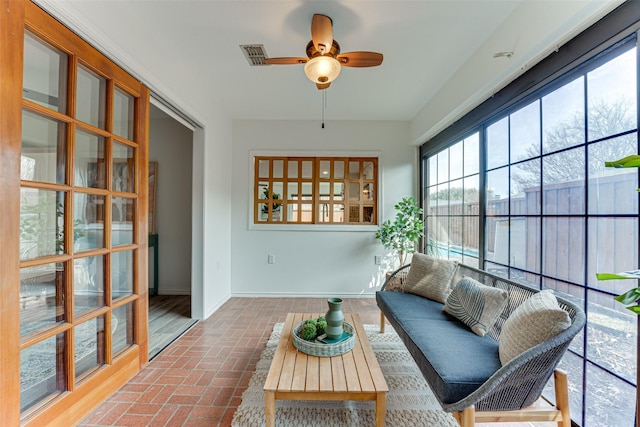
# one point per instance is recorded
(324, 58)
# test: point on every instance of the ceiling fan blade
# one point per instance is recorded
(322, 33)
(285, 61)
(360, 59)
(322, 86)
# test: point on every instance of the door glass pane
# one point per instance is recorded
(41, 297)
(91, 97)
(563, 254)
(471, 155)
(525, 188)
(43, 149)
(90, 161)
(354, 191)
(123, 168)
(122, 328)
(524, 128)
(563, 117)
(263, 168)
(613, 247)
(89, 345)
(41, 223)
(44, 74)
(368, 191)
(367, 214)
(123, 114)
(338, 191)
(611, 189)
(41, 365)
(88, 221)
(325, 193)
(497, 192)
(324, 212)
(563, 182)
(611, 90)
(307, 169)
(608, 400)
(433, 170)
(325, 169)
(338, 169)
(443, 166)
(354, 170)
(292, 191)
(456, 157)
(278, 170)
(338, 213)
(307, 191)
(498, 144)
(121, 274)
(121, 221)
(292, 167)
(367, 172)
(88, 283)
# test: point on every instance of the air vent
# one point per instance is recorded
(254, 53)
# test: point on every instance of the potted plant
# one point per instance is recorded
(275, 208)
(631, 298)
(403, 233)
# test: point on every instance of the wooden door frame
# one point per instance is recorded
(71, 406)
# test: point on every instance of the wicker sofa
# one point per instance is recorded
(464, 370)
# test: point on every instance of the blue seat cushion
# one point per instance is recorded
(454, 360)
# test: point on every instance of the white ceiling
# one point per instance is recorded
(188, 51)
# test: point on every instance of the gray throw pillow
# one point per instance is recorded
(536, 320)
(476, 305)
(430, 277)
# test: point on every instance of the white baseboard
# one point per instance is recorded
(174, 291)
(217, 306)
(301, 295)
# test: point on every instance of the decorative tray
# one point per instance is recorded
(326, 348)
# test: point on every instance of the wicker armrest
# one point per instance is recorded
(400, 273)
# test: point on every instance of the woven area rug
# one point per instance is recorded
(410, 402)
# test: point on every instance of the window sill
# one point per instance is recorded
(312, 227)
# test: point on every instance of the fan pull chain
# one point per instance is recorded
(324, 104)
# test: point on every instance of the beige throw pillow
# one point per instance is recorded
(475, 304)
(536, 320)
(430, 277)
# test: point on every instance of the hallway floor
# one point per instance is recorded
(199, 379)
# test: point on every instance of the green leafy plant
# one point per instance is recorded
(275, 196)
(631, 298)
(402, 234)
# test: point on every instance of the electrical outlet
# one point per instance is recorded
(377, 260)
(271, 259)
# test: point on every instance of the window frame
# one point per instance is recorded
(316, 157)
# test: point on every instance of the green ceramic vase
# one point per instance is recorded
(334, 318)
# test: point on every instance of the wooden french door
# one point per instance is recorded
(73, 223)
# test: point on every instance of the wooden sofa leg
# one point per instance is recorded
(562, 397)
(381, 322)
(466, 417)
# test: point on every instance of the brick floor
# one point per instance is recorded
(199, 379)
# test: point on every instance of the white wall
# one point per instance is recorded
(314, 263)
(171, 145)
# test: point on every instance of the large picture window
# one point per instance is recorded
(315, 190)
(551, 215)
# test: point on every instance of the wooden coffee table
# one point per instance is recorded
(295, 375)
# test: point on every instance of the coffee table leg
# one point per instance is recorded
(381, 409)
(270, 408)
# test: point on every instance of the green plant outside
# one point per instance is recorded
(631, 298)
(402, 234)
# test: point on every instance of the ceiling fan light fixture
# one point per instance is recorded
(322, 69)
